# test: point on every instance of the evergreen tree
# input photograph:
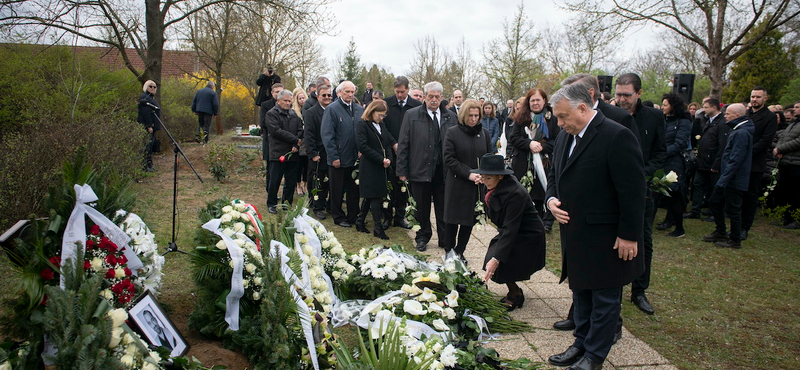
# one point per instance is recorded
(350, 66)
(766, 64)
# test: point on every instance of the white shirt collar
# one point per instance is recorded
(438, 114)
(580, 134)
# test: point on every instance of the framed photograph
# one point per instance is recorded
(156, 327)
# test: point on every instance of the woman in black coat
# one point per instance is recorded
(677, 135)
(375, 143)
(147, 106)
(535, 130)
(518, 250)
(463, 145)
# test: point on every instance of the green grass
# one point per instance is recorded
(719, 308)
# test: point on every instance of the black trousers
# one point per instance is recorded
(750, 200)
(148, 150)
(596, 318)
(458, 236)
(787, 190)
(728, 201)
(544, 214)
(702, 187)
(643, 282)
(277, 171)
(341, 183)
(423, 192)
(374, 205)
(317, 175)
(399, 199)
(204, 122)
(676, 205)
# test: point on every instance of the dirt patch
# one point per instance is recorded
(212, 353)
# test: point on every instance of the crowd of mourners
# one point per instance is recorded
(584, 158)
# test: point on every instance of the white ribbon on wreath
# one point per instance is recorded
(237, 280)
(304, 226)
(75, 232)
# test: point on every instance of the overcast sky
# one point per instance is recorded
(385, 32)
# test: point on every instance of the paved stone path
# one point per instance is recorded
(547, 301)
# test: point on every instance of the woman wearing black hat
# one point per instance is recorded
(518, 249)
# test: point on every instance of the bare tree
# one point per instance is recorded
(584, 45)
(511, 61)
(120, 24)
(718, 28)
(463, 72)
(430, 62)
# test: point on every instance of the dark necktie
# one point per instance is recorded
(577, 142)
(402, 103)
(435, 120)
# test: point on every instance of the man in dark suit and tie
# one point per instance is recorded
(458, 98)
(366, 98)
(398, 104)
(317, 157)
(419, 160)
(596, 191)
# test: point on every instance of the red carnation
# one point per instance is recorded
(127, 271)
(47, 274)
(55, 260)
(110, 274)
(94, 230)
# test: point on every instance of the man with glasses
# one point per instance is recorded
(650, 122)
(419, 160)
(339, 137)
(147, 108)
(317, 157)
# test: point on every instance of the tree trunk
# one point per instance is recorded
(154, 24)
(716, 73)
(218, 86)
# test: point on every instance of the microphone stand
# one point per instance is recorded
(176, 149)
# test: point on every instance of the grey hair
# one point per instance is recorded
(433, 86)
(574, 94)
(584, 79)
(322, 80)
(146, 84)
(210, 84)
(283, 93)
(323, 87)
(341, 86)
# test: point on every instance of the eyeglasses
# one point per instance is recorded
(326, 95)
(152, 86)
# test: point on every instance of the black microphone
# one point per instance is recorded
(151, 105)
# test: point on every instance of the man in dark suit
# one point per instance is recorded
(596, 191)
(708, 149)
(458, 98)
(366, 98)
(317, 157)
(616, 114)
(419, 160)
(205, 105)
(339, 137)
(650, 122)
(766, 124)
(398, 105)
(266, 106)
(312, 98)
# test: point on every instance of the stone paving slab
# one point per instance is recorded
(547, 301)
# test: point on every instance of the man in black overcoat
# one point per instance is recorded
(398, 104)
(766, 124)
(596, 191)
(317, 157)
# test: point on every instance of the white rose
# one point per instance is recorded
(449, 313)
(118, 316)
(127, 360)
(228, 232)
(5, 366)
(107, 294)
(337, 274)
(239, 242)
(128, 339)
(326, 244)
(238, 227)
(415, 228)
(671, 177)
(116, 337)
(226, 218)
(239, 206)
(256, 296)
(235, 215)
(302, 238)
(221, 245)
(251, 268)
(245, 283)
(149, 366)
(258, 281)
(97, 264)
(119, 273)
(308, 250)
(385, 204)
(402, 189)
(413, 307)
(357, 182)
(227, 209)
(439, 325)
(230, 263)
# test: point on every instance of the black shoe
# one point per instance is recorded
(664, 225)
(709, 219)
(548, 229)
(515, 302)
(343, 224)
(380, 234)
(716, 236)
(422, 246)
(360, 227)
(402, 223)
(644, 305)
(320, 215)
(566, 324)
(463, 259)
(692, 215)
(792, 226)
(617, 336)
(745, 234)
(273, 210)
(729, 244)
(676, 234)
(585, 363)
(568, 357)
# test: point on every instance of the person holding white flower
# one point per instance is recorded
(376, 145)
(677, 136)
(463, 145)
(518, 249)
